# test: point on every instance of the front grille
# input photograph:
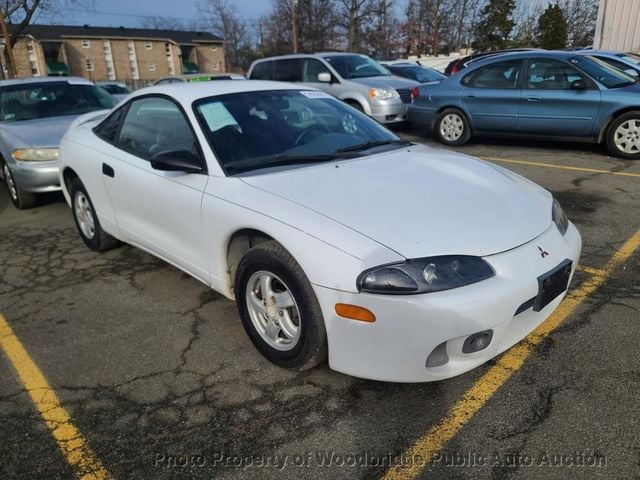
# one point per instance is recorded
(405, 94)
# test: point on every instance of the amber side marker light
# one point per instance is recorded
(353, 312)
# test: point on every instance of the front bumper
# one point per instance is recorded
(408, 328)
(389, 111)
(37, 177)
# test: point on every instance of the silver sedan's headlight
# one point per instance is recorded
(383, 93)
(559, 217)
(424, 275)
(35, 154)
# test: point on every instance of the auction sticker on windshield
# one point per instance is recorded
(314, 94)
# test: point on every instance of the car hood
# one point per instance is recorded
(41, 132)
(391, 81)
(420, 201)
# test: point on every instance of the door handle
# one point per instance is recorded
(108, 171)
(533, 98)
(471, 95)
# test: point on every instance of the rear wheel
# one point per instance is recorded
(623, 136)
(452, 127)
(18, 196)
(87, 221)
(279, 309)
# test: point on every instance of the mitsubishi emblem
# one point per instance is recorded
(543, 253)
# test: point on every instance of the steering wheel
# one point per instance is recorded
(308, 131)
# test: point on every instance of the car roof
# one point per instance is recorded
(559, 54)
(190, 92)
(72, 80)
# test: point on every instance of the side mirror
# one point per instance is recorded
(176, 161)
(578, 85)
(631, 72)
(324, 77)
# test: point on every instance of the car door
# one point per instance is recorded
(491, 96)
(157, 210)
(557, 99)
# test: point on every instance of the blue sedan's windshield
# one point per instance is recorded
(356, 66)
(254, 130)
(601, 71)
(50, 99)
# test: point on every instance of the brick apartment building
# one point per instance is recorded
(123, 54)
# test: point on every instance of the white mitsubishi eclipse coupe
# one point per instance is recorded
(335, 237)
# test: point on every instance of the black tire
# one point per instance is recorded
(449, 134)
(632, 136)
(100, 241)
(20, 199)
(311, 346)
(355, 104)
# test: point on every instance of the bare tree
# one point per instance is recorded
(165, 23)
(355, 14)
(223, 19)
(526, 16)
(383, 32)
(581, 21)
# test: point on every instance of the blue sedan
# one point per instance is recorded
(551, 95)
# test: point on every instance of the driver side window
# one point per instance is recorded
(154, 125)
(547, 74)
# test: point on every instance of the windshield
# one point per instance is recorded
(601, 71)
(54, 99)
(115, 89)
(356, 66)
(255, 130)
(630, 57)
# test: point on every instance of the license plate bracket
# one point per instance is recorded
(552, 284)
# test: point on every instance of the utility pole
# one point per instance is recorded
(294, 25)
(7, 45)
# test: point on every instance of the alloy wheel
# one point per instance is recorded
(84, 215)
(452, 127)
(627, 136)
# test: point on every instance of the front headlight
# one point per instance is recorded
(383, 93)
(35, 154)
(559, 217)
(424, 275)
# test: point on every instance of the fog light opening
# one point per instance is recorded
(477, 342)
(438, 357)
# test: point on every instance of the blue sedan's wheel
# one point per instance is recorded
(623, 136)
(452, 127)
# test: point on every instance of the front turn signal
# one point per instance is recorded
(354, 312)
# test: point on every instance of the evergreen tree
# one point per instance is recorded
(552, 29)
(495, 25)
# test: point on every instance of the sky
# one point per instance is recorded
(130, 13)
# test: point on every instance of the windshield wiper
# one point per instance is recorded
(281, 160)
(374, 143)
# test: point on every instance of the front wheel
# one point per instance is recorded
(623, 136)
(87, 221)
(279, 309)
(452, 127)
(20, 199)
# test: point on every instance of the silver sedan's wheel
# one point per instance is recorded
(84, 215)
(452, 127)
(273, 310)
(11, 185)
(627, 136)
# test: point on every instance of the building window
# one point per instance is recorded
(216, 67)
(214, 47)
(85, 43)
(34, 68)
(148, 45)
(89, 65)
(151, 67)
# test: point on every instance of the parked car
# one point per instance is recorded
(628, 62)
(415, 72)
(552, 95)
(198, 77)
(356, 79)
(334, 236)
(461, 63)
(34, 113)
(118, 90)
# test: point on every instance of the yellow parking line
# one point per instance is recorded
(561, 167)
(596, 272)
(71, 442)
(473, 400)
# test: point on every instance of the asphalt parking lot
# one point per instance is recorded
(130, 369)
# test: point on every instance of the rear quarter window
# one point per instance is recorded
(262, 71)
